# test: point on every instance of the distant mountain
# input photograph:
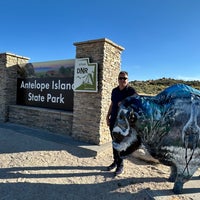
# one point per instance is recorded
(153, 87)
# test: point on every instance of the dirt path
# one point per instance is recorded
(34, 168)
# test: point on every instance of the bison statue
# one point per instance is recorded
(167, 125)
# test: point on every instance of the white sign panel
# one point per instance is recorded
(85, 76)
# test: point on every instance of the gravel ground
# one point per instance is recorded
(36, 166)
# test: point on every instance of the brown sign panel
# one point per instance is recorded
(52, 92)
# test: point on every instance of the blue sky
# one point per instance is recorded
(161, 37)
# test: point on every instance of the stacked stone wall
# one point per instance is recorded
(2, 88)
(53, 120)
(110, 71)
(90, 109)
(8, 85)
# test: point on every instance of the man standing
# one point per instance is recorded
(119, 93)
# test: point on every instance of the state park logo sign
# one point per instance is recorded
(85, 76)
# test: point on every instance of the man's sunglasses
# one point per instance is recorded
(122, 78)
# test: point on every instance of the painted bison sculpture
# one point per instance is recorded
(167, 125)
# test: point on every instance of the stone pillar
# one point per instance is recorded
(90, 109)
(8, 81)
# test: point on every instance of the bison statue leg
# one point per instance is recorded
(173, 173)
(184, 163)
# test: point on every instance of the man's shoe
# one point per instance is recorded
(119, 171)
(112, 166)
